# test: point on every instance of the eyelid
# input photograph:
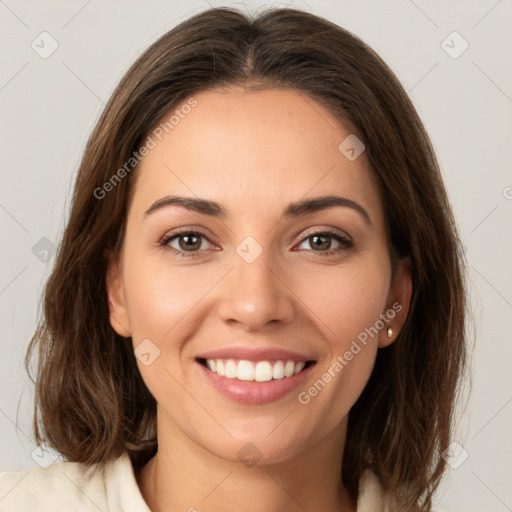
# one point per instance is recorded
(306, 234)
(326, 229)
(185, 231)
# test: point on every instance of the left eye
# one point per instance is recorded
(323, 242)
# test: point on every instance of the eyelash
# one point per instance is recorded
(345, 242)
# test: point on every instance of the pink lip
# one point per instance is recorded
(255, 354)
(254, 393)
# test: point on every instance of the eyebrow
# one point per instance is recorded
(297, 209)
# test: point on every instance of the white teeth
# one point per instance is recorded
(230, 370)
(278, 370)
(289, 368)
(261, 371)
(245, 370)
(298, 367)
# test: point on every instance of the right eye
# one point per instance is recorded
(190, 243)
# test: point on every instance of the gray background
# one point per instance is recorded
(49, 107)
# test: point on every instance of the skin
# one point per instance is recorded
(254, 153)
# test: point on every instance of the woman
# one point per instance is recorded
(258, 302)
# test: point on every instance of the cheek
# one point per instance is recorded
(349, 304)
(163, 302)
(160, 297)
(345, 301)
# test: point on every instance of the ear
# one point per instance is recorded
(118, 313)
(397, 305)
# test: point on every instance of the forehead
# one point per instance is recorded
(253, 151)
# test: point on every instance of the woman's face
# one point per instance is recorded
(289, 301)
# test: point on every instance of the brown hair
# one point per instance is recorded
(91, 402)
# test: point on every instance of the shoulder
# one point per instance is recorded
(72, 486)
(372, 496)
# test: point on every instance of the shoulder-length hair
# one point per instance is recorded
(91, 402)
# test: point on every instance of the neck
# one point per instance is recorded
(186, 476)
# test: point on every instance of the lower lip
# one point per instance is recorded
(251, 392)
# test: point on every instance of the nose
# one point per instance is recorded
(256, 294)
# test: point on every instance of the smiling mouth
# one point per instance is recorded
(255, 371)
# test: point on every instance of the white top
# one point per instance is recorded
(72, 486)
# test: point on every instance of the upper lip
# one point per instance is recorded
(255, 354)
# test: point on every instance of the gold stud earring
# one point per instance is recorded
(390, 332)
